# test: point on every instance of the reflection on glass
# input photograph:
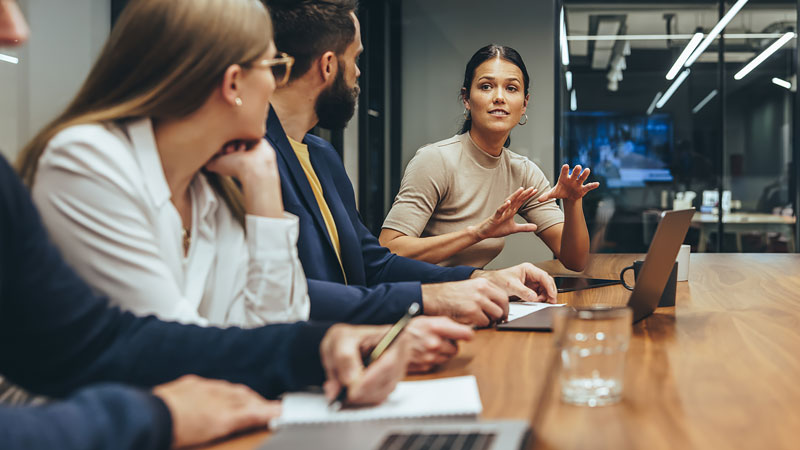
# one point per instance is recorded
(660, 128)
(624, 151)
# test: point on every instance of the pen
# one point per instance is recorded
(379, 349)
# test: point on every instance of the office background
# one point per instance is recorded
(714, 133)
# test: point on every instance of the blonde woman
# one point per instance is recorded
(134, 179)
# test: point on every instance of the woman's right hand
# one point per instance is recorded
(256, 168)
(501, 223)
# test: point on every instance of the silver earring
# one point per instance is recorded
(525, 116)
(466, 114)
(238, 101)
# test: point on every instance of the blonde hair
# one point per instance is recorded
(163, 60)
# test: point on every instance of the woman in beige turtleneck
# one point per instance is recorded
(445, 212)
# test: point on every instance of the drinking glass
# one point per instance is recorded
(593, 342)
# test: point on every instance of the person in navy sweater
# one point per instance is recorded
(351, 277)
(59, 339)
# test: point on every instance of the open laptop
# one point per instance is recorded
(456, 434)
(651, 280)
(428, 434)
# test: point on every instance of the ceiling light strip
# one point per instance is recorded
(763, 56)
(693, 43)
(663, 37)
(630, 37)
(716, 31)
(652, 106)
(564, 41)
(675, 85)
(705, 101)
(782, 83)
(9, 59)
(752, 35)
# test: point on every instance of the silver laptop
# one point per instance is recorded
(405, 434)
(453, 433)
(422, 434)
(659, 261)
(652, 277)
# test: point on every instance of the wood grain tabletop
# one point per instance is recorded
(721, 369)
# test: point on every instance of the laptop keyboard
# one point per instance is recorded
(437, 441)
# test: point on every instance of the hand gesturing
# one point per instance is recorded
(570, 185)
(501, 223)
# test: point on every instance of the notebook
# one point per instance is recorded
(442, 397)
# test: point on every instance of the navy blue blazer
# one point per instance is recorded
(57, 338)
(380, 285)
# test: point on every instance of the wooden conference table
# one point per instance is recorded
(719, 370)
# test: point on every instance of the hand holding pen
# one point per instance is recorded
(423, 344)
(380, 348)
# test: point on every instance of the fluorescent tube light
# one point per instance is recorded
(782, 83)
(763, 56)
(663, 37)
(704, 101)
(652, 106)
(573, 102)
(684, 55)
(675, 85)
(629, 37)
(753, 35)
(568, 78)
(564, 44)
(715, 31)
(9, 59)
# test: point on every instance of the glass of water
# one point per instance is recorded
(593, 342)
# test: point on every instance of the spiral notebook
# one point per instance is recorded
(443, 397)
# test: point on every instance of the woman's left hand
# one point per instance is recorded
(570, 185)
(256, 168)
(239, 159)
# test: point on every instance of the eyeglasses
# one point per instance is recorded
(281, 67)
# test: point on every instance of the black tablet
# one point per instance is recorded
(568, 284)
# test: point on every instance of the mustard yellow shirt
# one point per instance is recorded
(301, 150)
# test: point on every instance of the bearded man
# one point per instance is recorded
(351, 277)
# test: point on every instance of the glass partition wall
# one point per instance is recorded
(682, 105)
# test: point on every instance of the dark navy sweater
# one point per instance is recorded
(57, 338)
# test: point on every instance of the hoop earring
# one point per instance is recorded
(238, 101)
(526, 120)
(466, 114)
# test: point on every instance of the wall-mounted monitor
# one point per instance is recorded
(623, 150)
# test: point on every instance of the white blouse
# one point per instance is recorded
(103, 196)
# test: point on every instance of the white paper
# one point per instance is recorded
(456, 396)
(522, 309)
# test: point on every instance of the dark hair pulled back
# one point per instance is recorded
(482, 55)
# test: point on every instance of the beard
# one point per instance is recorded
(336, 105)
